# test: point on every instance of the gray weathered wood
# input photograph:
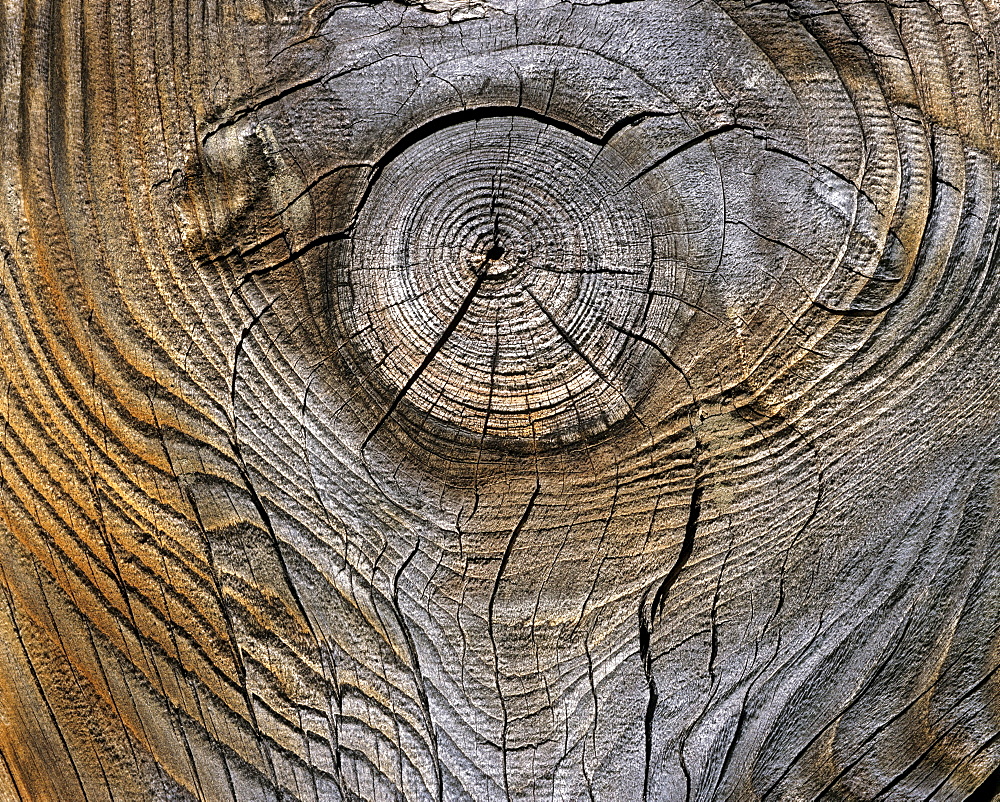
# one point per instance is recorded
(494, 400)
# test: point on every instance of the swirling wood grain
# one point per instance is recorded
(495, 400)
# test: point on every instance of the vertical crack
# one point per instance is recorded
(646, 622)
(418, 676)
(492, 629)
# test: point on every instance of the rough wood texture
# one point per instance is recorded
(499, 400)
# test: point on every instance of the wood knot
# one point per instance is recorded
(491, 286)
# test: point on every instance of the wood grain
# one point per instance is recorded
(494, 400)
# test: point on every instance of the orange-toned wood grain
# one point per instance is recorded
(492, 400)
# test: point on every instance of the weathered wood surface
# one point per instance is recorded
(499, 400)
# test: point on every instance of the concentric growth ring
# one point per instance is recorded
(503, 286)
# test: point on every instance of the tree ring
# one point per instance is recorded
(505, 286)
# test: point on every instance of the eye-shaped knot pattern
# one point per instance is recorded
(496, 281)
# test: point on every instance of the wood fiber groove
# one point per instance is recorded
(499, 400)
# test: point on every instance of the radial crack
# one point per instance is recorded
(438, 345)
(683, 147)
